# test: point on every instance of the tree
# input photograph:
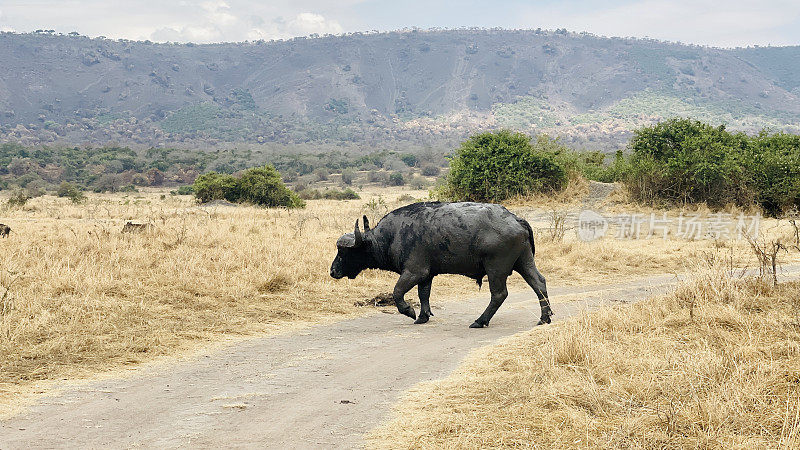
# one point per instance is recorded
(260, 186)
(215, 186)
(687, 160)
(264, 186)
(494, 166)
(396, 179)
(69, 190)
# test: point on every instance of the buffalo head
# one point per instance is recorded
(355, 253)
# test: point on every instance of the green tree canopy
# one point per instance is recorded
(260, 186)
(494, 166)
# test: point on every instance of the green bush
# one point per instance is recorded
(396, 179)
(69, 190)
(687, 160)
(409, 159)
(215, 186)
(309, 194)
(260, 186)
(684, 160)
(346, 194)
(330, 194)
(264, 186)
(431, 170)
(774, 160)
(494, 166)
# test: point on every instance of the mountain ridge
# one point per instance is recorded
(417, 86)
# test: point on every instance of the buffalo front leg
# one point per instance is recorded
(497, 285)
(407, 281)
(424, 290)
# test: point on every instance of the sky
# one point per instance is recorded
(729, 23)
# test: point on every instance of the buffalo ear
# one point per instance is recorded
(366, 224)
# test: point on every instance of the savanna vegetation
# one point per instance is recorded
(675, 162)
(714, 364)
(39, 169)
(687, 161)
(80, 297)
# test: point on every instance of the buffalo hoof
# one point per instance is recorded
(423, 318)
(478, 325)
(544, 320)
(409, 311)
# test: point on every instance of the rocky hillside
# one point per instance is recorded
(418, 86)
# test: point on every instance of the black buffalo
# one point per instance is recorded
(422, 240)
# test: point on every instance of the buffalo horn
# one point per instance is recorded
(359, 238)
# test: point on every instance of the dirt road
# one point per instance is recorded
(321, 387)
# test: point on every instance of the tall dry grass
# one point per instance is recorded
(716, 364)
(81, 296)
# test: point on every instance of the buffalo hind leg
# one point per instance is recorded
(424, 290)
(527, 268)
(407, 281)
(497, 286)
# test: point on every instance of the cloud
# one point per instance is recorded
(739, 22)
(301, 25)
(186, 34)
(308, 23)
(735, 22)
(216, 20)
(218, 13)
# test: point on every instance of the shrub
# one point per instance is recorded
(331, 194)
(215, 186)
(409, 159)
(18, 198)
(309, 194)
(418, 182)
(396, 179)
(263, 186)
(185, 190)
(347, 176)
(495, 166)
(684, 160)
(431, 171)
(688, 161)
(69, 190)
(36, 188)
(347, 194)
(260, 186)
(774, 162)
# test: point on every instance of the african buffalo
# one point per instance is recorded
(422, 240)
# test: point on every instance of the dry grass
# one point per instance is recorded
(79, 297)
(86, 297)
(716, 364)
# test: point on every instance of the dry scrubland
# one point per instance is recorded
(716, 364)
(78, 297)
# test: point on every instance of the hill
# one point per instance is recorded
(402, 88)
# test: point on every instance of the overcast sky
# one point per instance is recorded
(719, 23)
